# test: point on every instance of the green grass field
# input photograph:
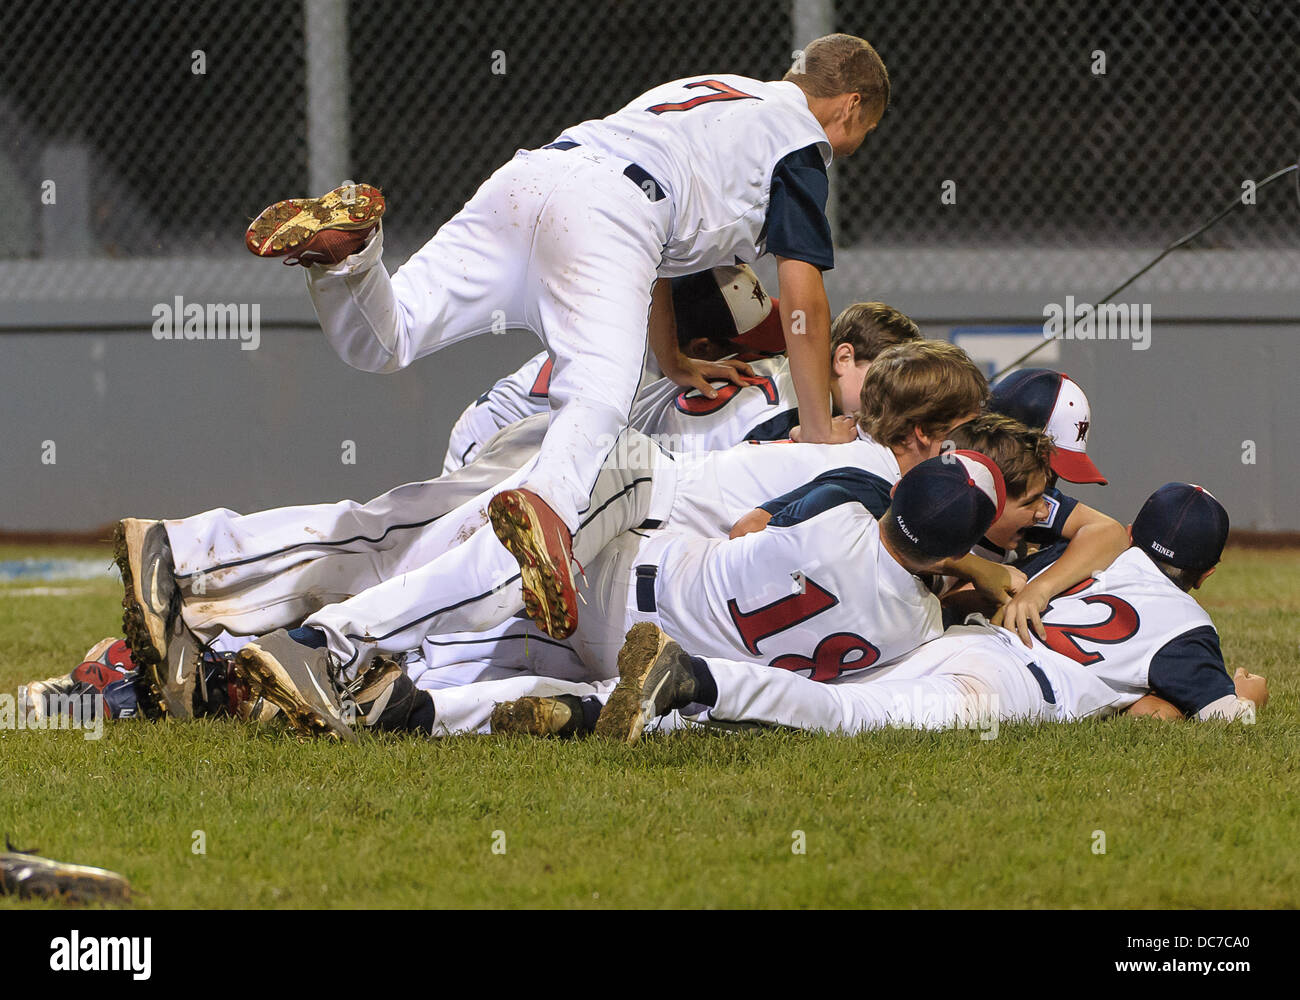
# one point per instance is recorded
(1193, 815)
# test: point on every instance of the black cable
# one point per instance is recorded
(1236, 204)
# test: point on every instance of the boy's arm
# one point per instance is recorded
(690, 373)
(806, 318)
(1096, 540)
(994, 582)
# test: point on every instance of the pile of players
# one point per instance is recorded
(725, 574)
(605, 550)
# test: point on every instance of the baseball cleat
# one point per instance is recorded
(654, 677)
(533, 716)
(322, 230)
(541, 542)
(298, 680)
(165, 652)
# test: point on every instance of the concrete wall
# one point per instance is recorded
(151, 427)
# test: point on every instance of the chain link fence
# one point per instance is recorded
(153, 130)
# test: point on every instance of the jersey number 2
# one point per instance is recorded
(721, 92)
(1121, 625)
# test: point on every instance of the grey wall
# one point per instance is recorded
(145, 427)
(161, 428)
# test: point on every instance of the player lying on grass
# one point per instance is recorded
(575, 242)
(764, 409)
(1090, 539)
(830, 586)
(188, 580)
(1042, 398)
(1132, 630)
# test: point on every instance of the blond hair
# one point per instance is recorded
(870, 327)
(930, 384)
(842, 64)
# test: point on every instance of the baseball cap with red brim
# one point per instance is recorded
(729, 303)
(1053, 402)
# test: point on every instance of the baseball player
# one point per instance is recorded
(1042, 398)
(1133, 629)
(573, 241)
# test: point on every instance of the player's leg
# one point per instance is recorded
(475, 585)
(594, 260)
(470, 708)
(958, 682)
(468, 279)
(253, 573)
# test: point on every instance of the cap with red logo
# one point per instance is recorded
(1054, 403)
(728, 303)
(944, 505)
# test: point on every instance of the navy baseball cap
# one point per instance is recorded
(1042, 398)
(1182, 524)
(944, 505)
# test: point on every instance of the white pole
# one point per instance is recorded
(811, 19)
(325, 36)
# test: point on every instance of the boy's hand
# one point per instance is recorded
(1250, 686)
(692, 373)
(755, 520)
(1023, 613)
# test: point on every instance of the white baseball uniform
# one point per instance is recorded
(765, 409)
(567, 241)
(1136, 631)
(474, 585)
(815, 593)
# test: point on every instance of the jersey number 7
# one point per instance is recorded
(721, 92)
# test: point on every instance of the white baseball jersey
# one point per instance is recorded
(765, 409)
(681, 420)
(714, 490)
(520, 394)
(713, 143)
(1139, 633)
(817, 595)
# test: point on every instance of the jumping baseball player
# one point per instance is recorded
(573, 241)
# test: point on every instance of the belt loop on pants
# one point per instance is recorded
(637, 175)
(645, 588)
(1044, 684)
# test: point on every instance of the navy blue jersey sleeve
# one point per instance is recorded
(776, 429)
(1189, 671)
(796, 225)
(1049, 531)
(830, 489)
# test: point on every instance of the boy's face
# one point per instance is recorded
(1021, 512)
